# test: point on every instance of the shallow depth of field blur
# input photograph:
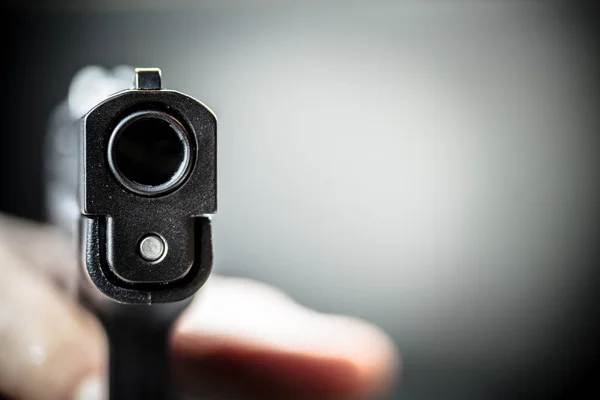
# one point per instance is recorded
(428, 166)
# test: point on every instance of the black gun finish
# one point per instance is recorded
(136, 296)
(114, 218)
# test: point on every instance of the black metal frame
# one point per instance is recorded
(137, 300)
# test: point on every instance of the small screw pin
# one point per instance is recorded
(152, 247)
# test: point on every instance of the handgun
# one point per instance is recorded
(132, 176)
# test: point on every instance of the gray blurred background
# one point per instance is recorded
(428, 166)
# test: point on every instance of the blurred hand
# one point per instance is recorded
(248, 334)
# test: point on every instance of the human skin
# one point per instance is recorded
(238, 334)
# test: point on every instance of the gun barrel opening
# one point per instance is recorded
(149, 152)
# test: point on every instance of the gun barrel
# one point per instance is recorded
(150, 153)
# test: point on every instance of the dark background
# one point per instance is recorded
(317, 105)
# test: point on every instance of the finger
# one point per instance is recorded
(41, 247)
(47, 344)
(245, 331)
